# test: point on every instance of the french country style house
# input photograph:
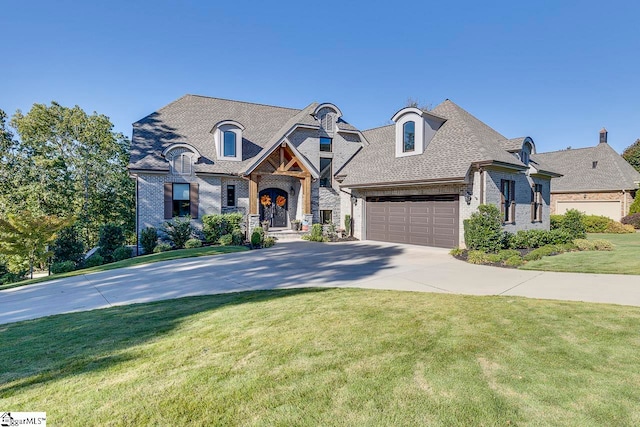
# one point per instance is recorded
(414, 181)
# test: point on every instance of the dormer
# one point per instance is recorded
(227, 135)
(415, 128)
(327, 115)
(181, 158)
(528, 148)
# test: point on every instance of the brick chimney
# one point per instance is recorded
(603, 136)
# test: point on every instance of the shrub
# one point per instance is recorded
(456, 252)
(193, 243)
(483, 231)
(94, 260)
(148, 239)
(541, 251)
(524, 239)
(111, 237)
(632, 219)
(635, 206)
(347, 224)
(572, 222)
(560, 237)
(602, 245)
(514, 261)
(595, 223)
(556, 221)
(123, 252)
(477, 257)
(257, 237)
(616, 227)
(508, 253)
(238, 237)
(226, 240)
(178, 231)
(316, 234)
(584, 245)
(494, 258)
(268, 242)
(217, 225)
(62, 267)
(68, 247)
(162, 247)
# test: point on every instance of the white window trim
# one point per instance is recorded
(419, 143)
(218, 135)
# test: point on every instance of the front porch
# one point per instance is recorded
(280, 188)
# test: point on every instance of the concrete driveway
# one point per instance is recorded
(371, 265)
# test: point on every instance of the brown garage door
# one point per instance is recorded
(418, 220)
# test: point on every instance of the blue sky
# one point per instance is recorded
(557, 71)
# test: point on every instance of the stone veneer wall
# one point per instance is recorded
(601, 196)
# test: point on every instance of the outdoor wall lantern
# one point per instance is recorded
(467, 198)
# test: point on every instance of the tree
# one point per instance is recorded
(68, 163)
(26, 237)
(632, 154)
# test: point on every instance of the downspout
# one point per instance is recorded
(137, 220)
(624, 202)
(482, 185)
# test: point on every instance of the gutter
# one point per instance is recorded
(460, 180)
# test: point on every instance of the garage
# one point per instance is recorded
(417, 220)
(608, 208)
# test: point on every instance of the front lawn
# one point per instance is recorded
(143, 259)
(329, 357)
(624, 259)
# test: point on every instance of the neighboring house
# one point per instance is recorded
(414, 181)
(596, 180)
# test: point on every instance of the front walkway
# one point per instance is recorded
(371, 265)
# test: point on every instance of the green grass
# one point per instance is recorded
(143, 259)
(329, 357)
(624, 259)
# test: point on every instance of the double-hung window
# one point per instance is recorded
(181, 200)
(508, 202)
(536, 203)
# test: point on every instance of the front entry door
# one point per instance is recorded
(274, 203)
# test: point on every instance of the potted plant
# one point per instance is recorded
(265, 225)
(295, 224)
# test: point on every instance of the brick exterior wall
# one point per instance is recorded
(625, 199)
(150, 205)
(523, 198)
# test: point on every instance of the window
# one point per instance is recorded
(229, 144)
(536, 203)
(325, 172)
(409, 136)
(326, 217)
(508, 205)
(181, 203)
(231, 195)
(181, 164)
(325, 144)
(525, 157)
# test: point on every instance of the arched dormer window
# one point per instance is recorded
(327, 114)
(181, 158)
(527, 150)
(227, 135)
(181, 164)
(409, 136)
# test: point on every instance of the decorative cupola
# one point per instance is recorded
(415, 128)
(603, 136)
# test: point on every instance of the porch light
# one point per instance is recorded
(467, 198)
